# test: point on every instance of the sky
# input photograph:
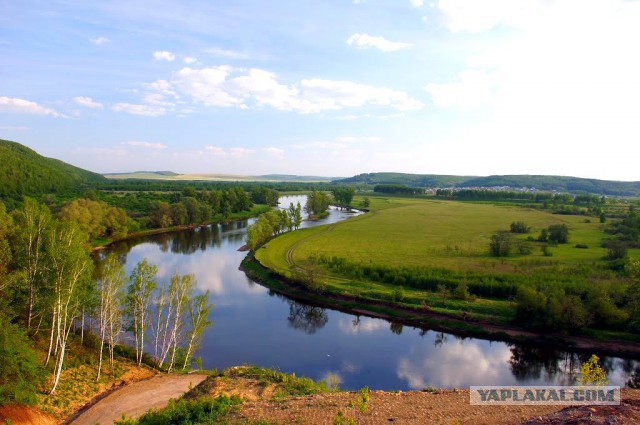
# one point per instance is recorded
(328, 88)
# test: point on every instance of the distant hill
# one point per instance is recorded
(547, 183)
(413, 180)
(170, 175)
(294, 178)
(25, 172)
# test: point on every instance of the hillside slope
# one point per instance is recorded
(25, 172)
(547, 183)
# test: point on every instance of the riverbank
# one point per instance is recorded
(254, 212)
(426, 318)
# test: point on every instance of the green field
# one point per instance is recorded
(446, 240)
(450, 234)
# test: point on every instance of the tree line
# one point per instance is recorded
(50, 291)
(553, 298)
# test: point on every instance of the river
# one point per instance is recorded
(252, 325)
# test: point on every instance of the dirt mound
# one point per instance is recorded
(628, 412)
(27, 415)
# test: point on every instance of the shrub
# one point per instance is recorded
(558, 233)
(591, 373)
(520, 227)
(501, 244)
(582, 246)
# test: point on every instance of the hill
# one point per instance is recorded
(169, 175)
(413, 180)
(25, 172)
(546, 183)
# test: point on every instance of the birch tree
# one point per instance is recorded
(199, 309)
(169, 324)
(70, 277)
(180, 290)
(110, 285)
(142, 283)
(32, 222)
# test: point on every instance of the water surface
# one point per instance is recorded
(252, 325)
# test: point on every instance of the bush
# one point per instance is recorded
(501, 244)
(616, 250)
(187, 412)
(520, 227)
(20, 371)
(582, 246)
(591, 373)
(558, 233)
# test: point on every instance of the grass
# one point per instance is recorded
(402, 232)
(287, 384)
(405, 233)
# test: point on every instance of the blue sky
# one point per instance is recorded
(330, 87)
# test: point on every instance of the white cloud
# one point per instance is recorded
(551, 81)
(417, 3)
(365, 41)
(475, 16)
(12, 104)
(226, 53)
(206, 85)
(190, 59)
(147, 145)
(99, 40)
(164, 55)
(224, 86)
(87, 102)
(275, 152)
(136, 109)
(234, 152)
(215, 150)
(331, 94)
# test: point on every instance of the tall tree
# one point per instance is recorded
(69, 274)
(142, 284)
(198, 309)
(33, 222)
(110, 285)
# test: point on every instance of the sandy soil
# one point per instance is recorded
(443, 407)
(138, 397)
(25, 415)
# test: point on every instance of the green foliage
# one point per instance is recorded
(395, 188)
(591, 373)
(317, 203)
(558, 233)
(519, 227)
(96, 218)
(201, 411)
(20, 371)
(363, 400)
(556, 311)
(501, 244)
(24, 172)
(397, 294)
(343, 195)
(341, 419)
(288, 384)
(616, 250)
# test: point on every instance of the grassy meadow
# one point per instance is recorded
(450, 237)
(417, 232)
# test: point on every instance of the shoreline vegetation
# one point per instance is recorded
(243, 215)
(418, 317)
(381, 264)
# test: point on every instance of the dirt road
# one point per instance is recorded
(135, 399)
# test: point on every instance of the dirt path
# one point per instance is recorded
(135, 399)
